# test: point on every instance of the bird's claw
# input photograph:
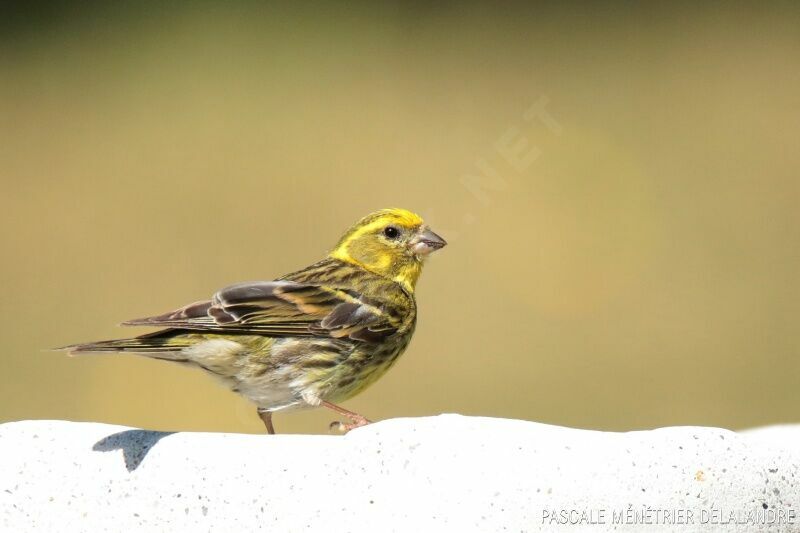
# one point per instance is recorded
(340, 427)
(337, 427)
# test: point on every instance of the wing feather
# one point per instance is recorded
(284, 308)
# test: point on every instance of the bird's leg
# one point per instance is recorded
(356, 419)
(266, 417)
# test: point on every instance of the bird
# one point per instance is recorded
(314, 337)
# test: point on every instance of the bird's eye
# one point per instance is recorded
(391, 232)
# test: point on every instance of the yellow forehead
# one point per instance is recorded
(401, 217)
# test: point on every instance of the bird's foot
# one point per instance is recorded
(355, 422)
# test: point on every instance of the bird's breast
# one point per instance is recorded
(365, 366)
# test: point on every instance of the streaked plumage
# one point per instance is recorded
(317, 336)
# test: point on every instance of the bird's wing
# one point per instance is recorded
(284, 308)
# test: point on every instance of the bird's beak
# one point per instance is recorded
(425, 242)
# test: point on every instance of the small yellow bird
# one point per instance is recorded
(315, 337)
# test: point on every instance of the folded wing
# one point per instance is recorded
(284, 308)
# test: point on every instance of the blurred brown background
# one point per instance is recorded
(635, 266)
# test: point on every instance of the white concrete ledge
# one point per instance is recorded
(444, 473)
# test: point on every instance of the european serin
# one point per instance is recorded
(315, 337)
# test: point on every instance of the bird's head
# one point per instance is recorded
(391, 243)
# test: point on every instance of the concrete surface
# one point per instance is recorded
(444, 473)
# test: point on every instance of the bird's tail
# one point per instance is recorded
(157, 345)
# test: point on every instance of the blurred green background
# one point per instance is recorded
(629, 258)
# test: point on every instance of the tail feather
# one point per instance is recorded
(150, 346)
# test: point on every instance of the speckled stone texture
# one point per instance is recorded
(444, 473)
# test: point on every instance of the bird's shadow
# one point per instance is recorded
(134, 443)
